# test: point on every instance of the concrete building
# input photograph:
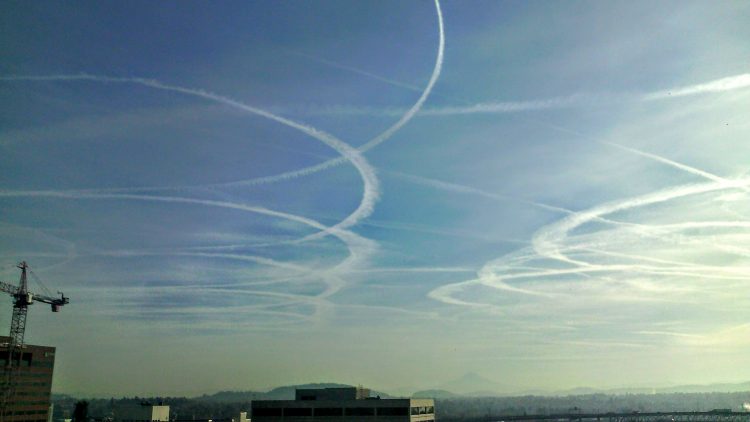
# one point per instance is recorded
(238, 417)
(33, 382)
(144, 412)
(342, 405)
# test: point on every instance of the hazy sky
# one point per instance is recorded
(239, 195)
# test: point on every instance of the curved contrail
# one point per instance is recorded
(372, 143)
(359, 248)
(547, 244)
(367, 173)
(405, 118)
(371, 187)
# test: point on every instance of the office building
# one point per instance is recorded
(342, 405)
(142, 412)
(238, 417)
(32, 384)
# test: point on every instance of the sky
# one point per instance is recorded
(241, 195)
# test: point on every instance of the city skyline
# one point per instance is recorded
(237, 196)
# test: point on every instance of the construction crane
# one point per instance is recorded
(22, 298)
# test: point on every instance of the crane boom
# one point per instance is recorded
(22, 298)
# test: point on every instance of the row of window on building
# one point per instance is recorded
(340, 411)
(422, 410)
(44, 394)
(25, 359)
(31, 403)
(31, 412)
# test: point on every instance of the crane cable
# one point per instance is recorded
(40, 283)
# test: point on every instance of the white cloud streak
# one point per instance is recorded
(727, 84)
(555, 246)
(730, 83)
(367, 173)
(371, 184)
(360, 249)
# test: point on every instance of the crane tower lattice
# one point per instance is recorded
(22, 298)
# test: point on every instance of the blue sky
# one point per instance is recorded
(248, 194)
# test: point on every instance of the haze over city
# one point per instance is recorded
(242, 195)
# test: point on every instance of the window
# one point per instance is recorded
(360, 411)
(267, 411)
(393, 411)
(298, 411)
(423, 410)
(329, 411)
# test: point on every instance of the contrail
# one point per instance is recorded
(549, 243)
(356, 70)
(454, 187)
(371, 191)
(358, 247)
(689, 169)
(422, 98)
(416, 270)
(722, 182)
(546, 240)
(731, 83)
(251, 258)
(382, 137)
(176, 199)
(354, 242)
(508, 106)
(367, 173)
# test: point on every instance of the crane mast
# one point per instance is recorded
(22, 298)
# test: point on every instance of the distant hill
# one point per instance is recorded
(435, 394)
(692, 388)
(279, 393)
(473, 384)
(709, 388)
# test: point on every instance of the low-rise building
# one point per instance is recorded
(31, 386)
(143, 412)
(342, 405)
(238, 417)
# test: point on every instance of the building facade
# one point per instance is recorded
(143, 412)
(32, 386)
(342, 405)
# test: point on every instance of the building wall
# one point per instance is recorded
(31, 402)
(336, 393)
(375, 410)
(141, 413)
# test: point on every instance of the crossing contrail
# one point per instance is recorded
(359, 248)
(371, 188)
(455, 187)
(689, 169)
(727, 84)
(356, 70)
(551, 243)
(367, 173)
(377, 140)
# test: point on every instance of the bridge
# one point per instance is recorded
(719, 415)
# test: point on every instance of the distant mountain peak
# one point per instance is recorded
(473, 376)
(471, 382)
